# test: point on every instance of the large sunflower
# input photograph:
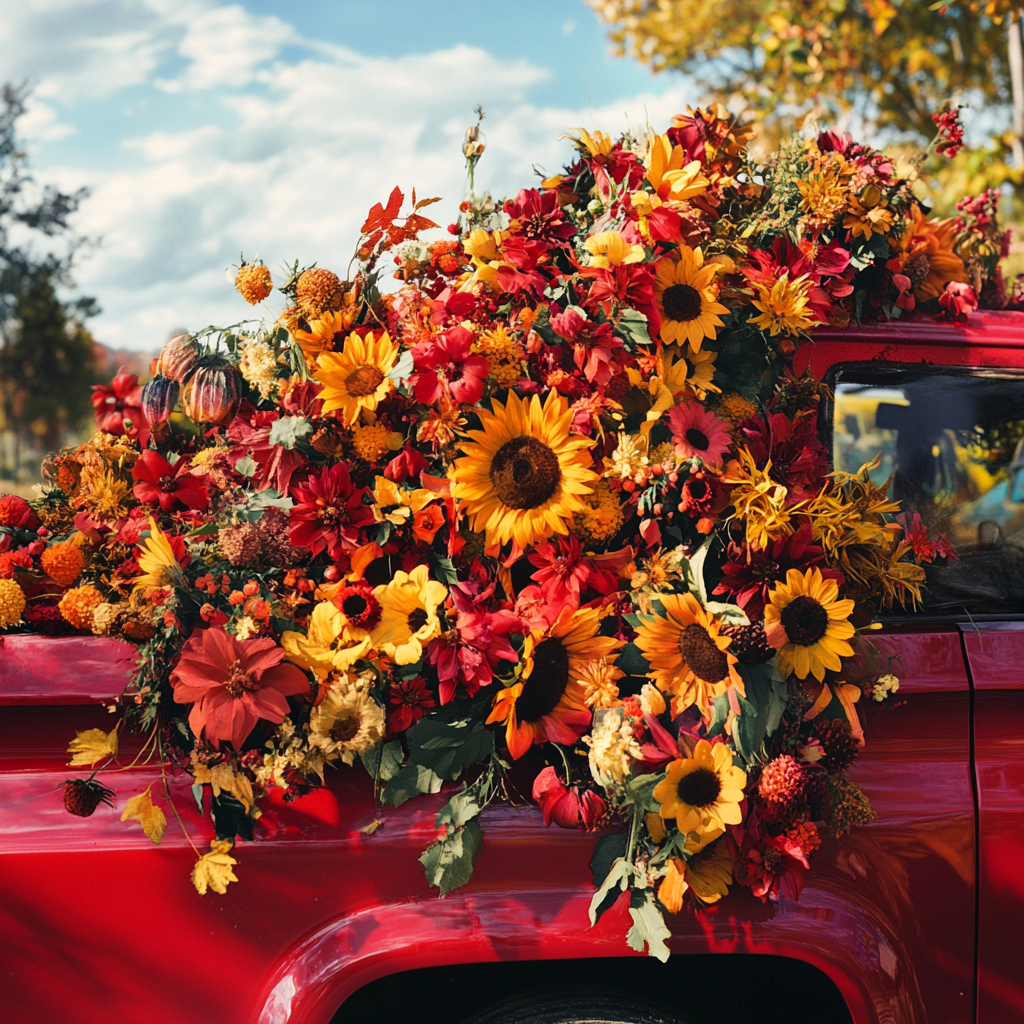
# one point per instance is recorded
(808, 625)
(925, 255)
(687, 298)
(702, 792)
(408, 618)
(549, 702)
(356, 378)
(524, 474)
(689, 657)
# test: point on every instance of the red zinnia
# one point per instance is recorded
(328, 513)
(158, 482)
(233, 683)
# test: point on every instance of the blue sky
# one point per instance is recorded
(206, 129)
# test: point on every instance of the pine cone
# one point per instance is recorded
(749, 643)
(839, 745)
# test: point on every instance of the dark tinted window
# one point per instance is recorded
(953, 442)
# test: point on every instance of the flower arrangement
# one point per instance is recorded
(557, 501)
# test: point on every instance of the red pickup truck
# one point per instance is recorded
(918, 916)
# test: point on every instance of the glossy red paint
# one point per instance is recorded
(101, 925)
(995, 655)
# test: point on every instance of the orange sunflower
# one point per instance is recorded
(688, 655)
(357, 377)
(687, 298)
(808, 625)
(549, 702)
(324, 335)
(703, 793)
(925, 255)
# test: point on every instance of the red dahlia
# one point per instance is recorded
(328, 513)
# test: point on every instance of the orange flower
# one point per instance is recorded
(426, 523)
(63, 562)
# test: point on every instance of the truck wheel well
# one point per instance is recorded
(724, 988)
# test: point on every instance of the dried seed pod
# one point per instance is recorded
(212, 394)
(179, 359)
(159, 396)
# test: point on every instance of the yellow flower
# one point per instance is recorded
(329, 643)
(926, 256)
(783, 307)
(524, 474)
(599, 679)
(401, 502)
(688, 654)
(408, 618)
(374, 440)
(601, 519)
(674, 177)
(356, 379)
(613, 748)
(156, 559)
(609, 249)
(347, 722)
(823, 194)
(596, 143)
(325, 334)
(687, 297)
(702, 792)
(258, 366)
(864, 221)
(503, 353)
(808, 624)
(760, 502)
(708, 873)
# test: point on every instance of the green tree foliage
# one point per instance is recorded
(46, 354)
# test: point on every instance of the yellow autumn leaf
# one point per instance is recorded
(92, 745)
(224, 779)
(213, 869)
(142, 809)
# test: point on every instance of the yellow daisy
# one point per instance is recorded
(156, 559)
(703, 792)
(808, 625)
(687, 295)
(524, 474)
(357, 377)
(408, 619)
(783, 307)
(689, 657)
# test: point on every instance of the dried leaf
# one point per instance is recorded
(91, 746)
(213, 869)
(142, 809)
(368, 830)
(224, 779)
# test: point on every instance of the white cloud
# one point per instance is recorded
(316, 140)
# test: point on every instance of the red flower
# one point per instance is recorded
(915, 533)
(426, 522)
(444, 363)
(249, 433)
(118, 408)
(799, 460)
(407, 463)
(233, 684)
(537, 215)
(774, 866)
(958, 301)
(157, 481)
(631, 284)
(328, 513)
(594, 345)
(410, 701)
(565, 806)
(16, 513)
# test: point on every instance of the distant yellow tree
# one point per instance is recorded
(893, 62)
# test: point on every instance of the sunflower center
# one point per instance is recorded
(681, 302)
(544, 689)
(697, 439)
(417, 619)
(700, 788)
(363, 380)
(698, 490)
(804, 620)
(354, 606)
(702, 655)
(239, 680)
(344, 729)
(525, 473)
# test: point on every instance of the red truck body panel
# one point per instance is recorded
(101, 925)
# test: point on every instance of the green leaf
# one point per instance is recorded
(748, 729)
(719, 714)
(649, 928)
(442, 569)
(730, 613)
(246, 466)
(608, 850)
(448, 863)
(197, 792)
(403, 368)
(616, 882)
(461, 809)
(452, 738)
(631, 327)
(776, 704)
(230, 818)
(697, 560)
(410, 781)
(641, 791)
(383, 760)
(289, 430)
(632, 661)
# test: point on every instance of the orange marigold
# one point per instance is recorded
(317, 291)
(253, 282)
(77, 606)
(12, 603)
(63, 562)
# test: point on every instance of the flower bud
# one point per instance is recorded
(212, 394)
(159, 396)
(179, 359)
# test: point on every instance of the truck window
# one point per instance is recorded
(952, 447)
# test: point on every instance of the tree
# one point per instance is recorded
(891, 62)
(46, 353)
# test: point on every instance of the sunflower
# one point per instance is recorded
(687, 297)
(347, 722)
(925, 255)
(807, 625)
(329, 643)
(688, 655)
(549, 702)
(160, 567)
(324, 335)
(524, 474)
(702, 792)
(408, 617)
(357, 377)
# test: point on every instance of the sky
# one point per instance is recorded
(208, 130)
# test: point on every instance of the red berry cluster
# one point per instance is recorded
(951, 131)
